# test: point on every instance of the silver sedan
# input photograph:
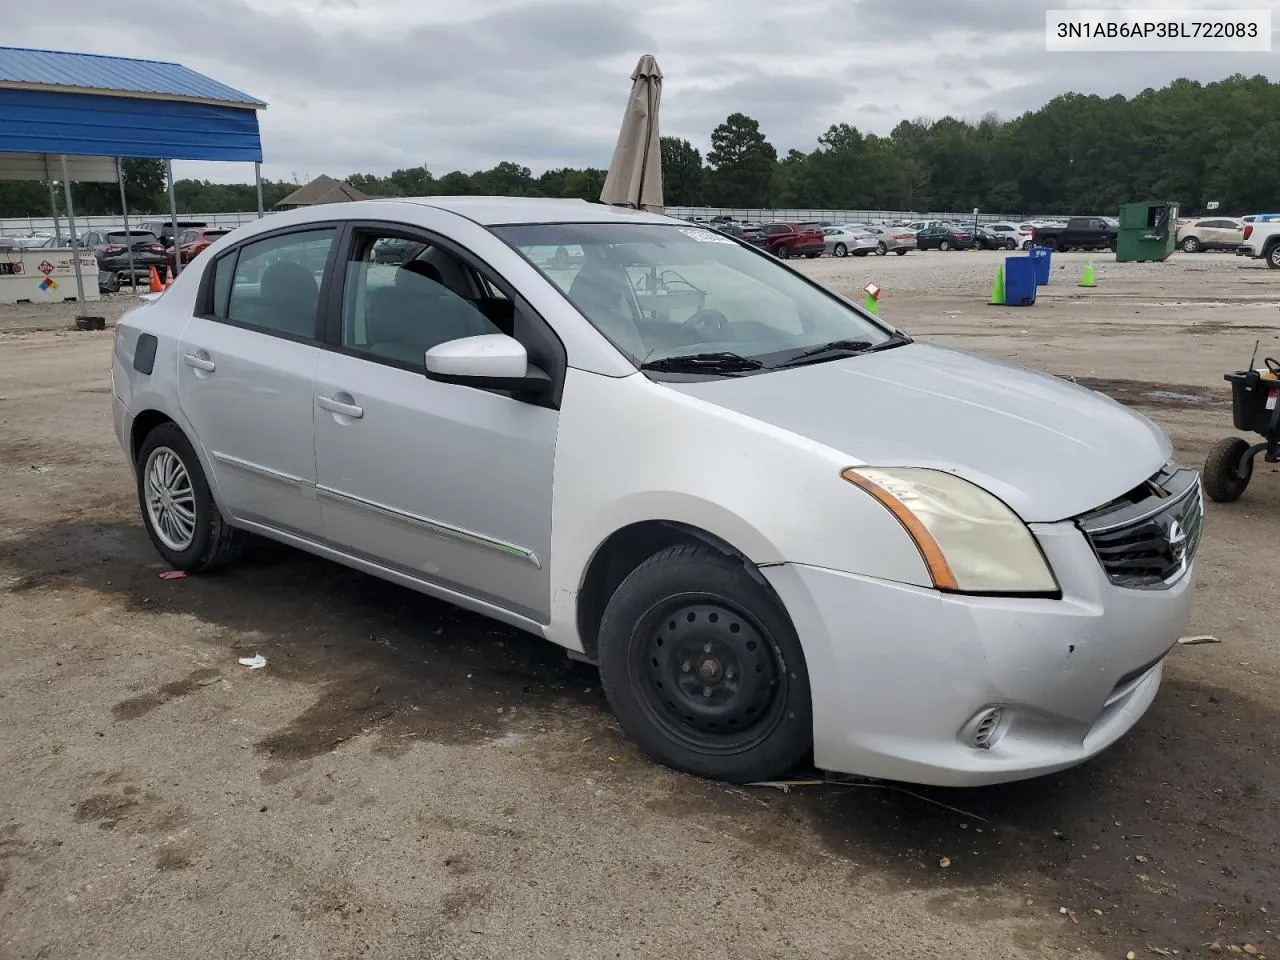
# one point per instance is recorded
(843, 241)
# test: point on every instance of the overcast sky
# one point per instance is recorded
(371, 85)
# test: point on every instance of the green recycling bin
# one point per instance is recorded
(1148, 231)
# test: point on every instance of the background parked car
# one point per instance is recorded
(111, 250)
(842, 241)
(947, 237)
(897, 239)
(746, 232)
(783, 239)
(191, 243)
(164, 228)
(1210, 233)
(1004, 236)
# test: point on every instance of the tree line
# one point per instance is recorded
(1188, 142)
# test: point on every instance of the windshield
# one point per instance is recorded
(658, 291)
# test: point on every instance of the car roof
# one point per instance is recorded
(495, 211)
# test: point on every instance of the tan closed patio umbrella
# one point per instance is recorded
(635, 173)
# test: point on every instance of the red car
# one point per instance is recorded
(192, 243)
(800, 239)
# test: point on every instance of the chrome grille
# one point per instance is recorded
(1148, 538)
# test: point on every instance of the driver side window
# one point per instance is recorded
(398, 311)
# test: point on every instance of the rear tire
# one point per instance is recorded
(944, 246)
(1011, 244)
(901, 253)
(185, 525)
(813, 256)
(1221, 482)
(704, 670)
(840, 250)
(1273, 257)
(881, 249)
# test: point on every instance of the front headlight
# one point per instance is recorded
(969, 540)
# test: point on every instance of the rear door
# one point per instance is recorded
(246, 374)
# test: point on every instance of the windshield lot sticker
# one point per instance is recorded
(705, 236)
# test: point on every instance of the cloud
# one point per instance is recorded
(371, 85)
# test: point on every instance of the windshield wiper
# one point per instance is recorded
(833, 349)
(722, 362)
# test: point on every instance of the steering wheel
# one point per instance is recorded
(1272, 365)
(707, 321)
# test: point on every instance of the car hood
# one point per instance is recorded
(1047, 447)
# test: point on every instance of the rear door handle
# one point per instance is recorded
(199, 363)
(337, 406)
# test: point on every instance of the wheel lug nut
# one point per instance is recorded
(706, 648)
(706, 691)
(686, 667)
(728, 675)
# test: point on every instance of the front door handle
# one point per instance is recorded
(340, 408)
(199, 363)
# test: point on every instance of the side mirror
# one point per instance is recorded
(491, 361)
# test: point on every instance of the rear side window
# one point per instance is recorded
(223, 276)
(275, 283)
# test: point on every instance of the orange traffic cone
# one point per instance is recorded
(156, 285)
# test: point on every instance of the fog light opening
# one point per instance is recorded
(986, 728)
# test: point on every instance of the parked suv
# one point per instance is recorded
(1210, 233)
(164, 228)
(193, 242)
(785, 531)
(111, 250)
(785, 239)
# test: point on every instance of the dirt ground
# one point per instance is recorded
(406, 780)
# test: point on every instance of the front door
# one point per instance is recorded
(246, 373)
(446, 483)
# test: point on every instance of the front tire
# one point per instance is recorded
(1011, 244)
(1190, 245)
(1273, 257)
(1221, 482)
(185, 525)
(704, 670)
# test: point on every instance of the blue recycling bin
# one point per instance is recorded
(1019, 281)
(1043, 256)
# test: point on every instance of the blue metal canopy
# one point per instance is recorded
(82, 104)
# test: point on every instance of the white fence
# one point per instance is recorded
(840, 216)
(24, 226)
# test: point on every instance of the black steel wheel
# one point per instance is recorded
(704, 670)
(1222, 481)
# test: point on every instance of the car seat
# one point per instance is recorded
(602, 291)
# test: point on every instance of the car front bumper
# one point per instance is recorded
(901, 674)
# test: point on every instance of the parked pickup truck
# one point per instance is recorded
(1262, 240)
(1080, 233)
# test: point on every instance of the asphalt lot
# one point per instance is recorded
(406, 780)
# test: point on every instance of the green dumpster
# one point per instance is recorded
(1148, 231)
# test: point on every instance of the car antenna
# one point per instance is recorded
(1254, 358)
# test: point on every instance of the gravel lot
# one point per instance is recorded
(406, 780)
